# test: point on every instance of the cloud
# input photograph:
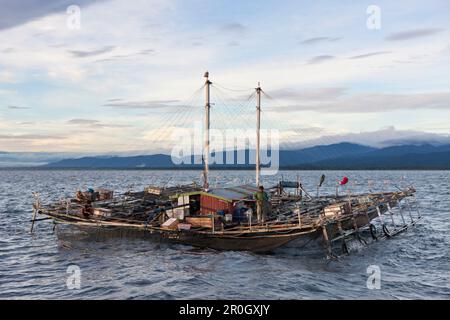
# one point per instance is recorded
(370, 54)
(320, 39)
(384, 137)
(95, 123)
(14, 13)
(147, 51)
(83, 121)
(17, 108)
(412, 34)
(153, 104)
(316, 94)
(320, 59)
(25, 123)
(374, 103)
(8, 50)
(84, 54)
(446, 50)
(47, 73)
(7, 92)
(30, 137)
(233, 44)
(7, 77)
(293, 137)
(234, 27)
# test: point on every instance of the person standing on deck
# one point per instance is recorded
(262, 204)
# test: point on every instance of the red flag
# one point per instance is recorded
(344, 181)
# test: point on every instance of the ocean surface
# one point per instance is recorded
(413, 265)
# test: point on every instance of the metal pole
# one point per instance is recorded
(206, 130)
(258, 138)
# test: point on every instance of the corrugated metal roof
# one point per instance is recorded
(228, 193)
(234, 193)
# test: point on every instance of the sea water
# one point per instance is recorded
(74, 265)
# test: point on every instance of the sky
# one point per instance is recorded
(121, 76)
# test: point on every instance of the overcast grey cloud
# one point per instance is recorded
(147, 51)
(373, 103)
(412, 34)
(233, 44)
(29, 137)
(153, 104)
(116, 57)
(370, 54)
(315, 94)
(320, 39)
(384, 137)
(14, 12)
(8, 50)
(17, 108)
(82, 121)
(91, 53)
(95, 123)
(320, 59)
(235, 27)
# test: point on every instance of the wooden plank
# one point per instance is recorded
(202, 222)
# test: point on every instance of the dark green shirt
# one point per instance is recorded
(261, 196)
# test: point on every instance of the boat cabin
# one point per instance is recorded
(228, 205)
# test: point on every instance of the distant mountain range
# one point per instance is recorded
(336, 156)
(30, 159)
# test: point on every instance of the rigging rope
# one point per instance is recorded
(177, 118)
(234, 90)
(231, 109)
(296, 143)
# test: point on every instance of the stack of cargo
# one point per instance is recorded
(337, 209)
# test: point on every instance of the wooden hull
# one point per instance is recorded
(261, 242)
(254, 243)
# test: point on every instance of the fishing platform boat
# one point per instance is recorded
(222, 219)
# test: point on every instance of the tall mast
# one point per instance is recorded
(206, 131)
(258, 128)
